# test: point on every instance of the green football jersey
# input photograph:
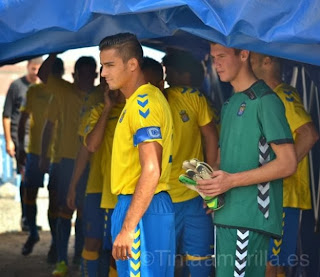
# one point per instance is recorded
(251, 120)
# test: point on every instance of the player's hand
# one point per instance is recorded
(71, 199)
(121, 249)
(10, 148)
(196, 171)
(112, 97)
(220, 183)
(44, 164)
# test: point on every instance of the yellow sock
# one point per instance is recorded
(112, 272)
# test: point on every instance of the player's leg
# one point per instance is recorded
(198, 238)
(106, 261)
(282, 250)
(53, 211)
(240, 252)
(181, 269)
(65, 170)
(33, 180)
(117, 219)
(155, 238)
(79, 226)
(93, 217)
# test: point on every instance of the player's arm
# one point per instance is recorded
(46, 67)
(6, 121)
(307, 136)
(150, 154)
(282, 166)
(81, 162)
(95, 137)
(47, 133)
(210, 141)
(10, 148)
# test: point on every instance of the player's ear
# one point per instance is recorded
(244, 55)
(133, 64)
(267, 60)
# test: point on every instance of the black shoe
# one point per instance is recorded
(28, 246)
(52, 257)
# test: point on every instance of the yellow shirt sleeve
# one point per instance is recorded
(296, 188)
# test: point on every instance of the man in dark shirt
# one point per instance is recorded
(11, 112)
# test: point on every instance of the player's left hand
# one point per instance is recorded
(122, 245)
(221, 182)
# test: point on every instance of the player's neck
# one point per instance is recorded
(243, 81)
(273, 82)
(32, 80)
(133, 85)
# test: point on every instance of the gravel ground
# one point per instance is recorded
(12, 263)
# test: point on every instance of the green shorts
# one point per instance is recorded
(240, 252)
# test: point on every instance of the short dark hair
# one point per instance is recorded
(237, 51)
(185, 62)
(126, 44)
(85, 60)
(154, 66)
(57, 67)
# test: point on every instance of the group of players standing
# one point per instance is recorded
(117, 150)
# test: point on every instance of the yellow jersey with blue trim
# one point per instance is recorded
(36, 105)
(190, 111)
(296, 188)
(146, 117)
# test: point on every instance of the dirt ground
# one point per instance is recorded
(12, 263)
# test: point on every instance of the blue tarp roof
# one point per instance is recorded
(288, 29)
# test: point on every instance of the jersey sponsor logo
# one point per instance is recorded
(154, 132)
(184, 116)
(242, 109)
(122, 116)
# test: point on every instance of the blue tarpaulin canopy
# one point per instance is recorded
(283, 28)
(288, 29)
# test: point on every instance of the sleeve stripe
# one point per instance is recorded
(282, 141)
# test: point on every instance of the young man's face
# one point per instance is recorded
(152, 78)
(225, 61)
(114, 70)
(172, 76)
(84, 76)
(32, 71)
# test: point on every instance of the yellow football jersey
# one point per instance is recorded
(54, 148)
(146, 117)
(36, 105)
(296, 190)
(190, 111)
(68, 102)
(94, 183)
(93, 98)
(109, 200)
